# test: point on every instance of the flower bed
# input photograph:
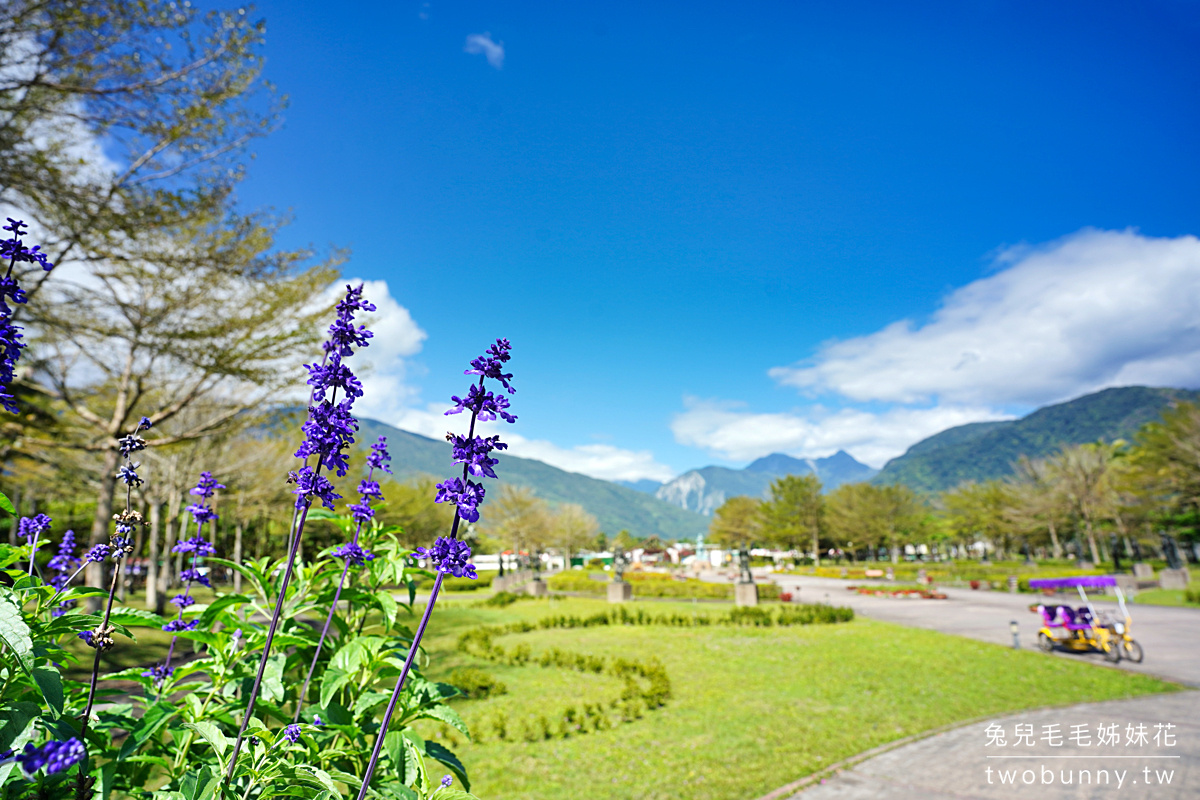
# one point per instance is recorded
(899, 591)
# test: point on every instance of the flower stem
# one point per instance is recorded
(81, 789)
(412, 652)
(266, 653)
(320, 643)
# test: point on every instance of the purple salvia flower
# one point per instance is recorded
(98, 553)
(312, 486)
(197, 545)
(379, 457)
(474, 452)
(292, 733)
(159, 673)
(482, 404)
(329, 430)
(446, 779)
(128, 476)
(352, 553)
(452, 556)
(54, 755)
(207, 486)
(464, 494)
(145, 424)
(31, 528)
(11, 340)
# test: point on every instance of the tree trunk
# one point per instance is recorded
(164, 571)
(816, 548)
(102, 523)
(1055, 547)
(152, 559)
(237, 556)
(1091, 537)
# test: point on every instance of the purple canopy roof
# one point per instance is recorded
(1086, 581)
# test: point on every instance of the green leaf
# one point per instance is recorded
(393, 745)
(125, 615)
(368, 700)
(202, 785)
(13, 630)
(414, 767)
(452, 794)
(19, 724)
(444, 755)
(7, 505)
(322, 777)
(272, 682)
(387, 606)
(50, 684)
(210, 733)
(155, 717)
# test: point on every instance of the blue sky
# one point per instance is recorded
(717, 231)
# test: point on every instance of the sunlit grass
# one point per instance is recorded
(752, 708)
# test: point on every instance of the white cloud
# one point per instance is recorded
(482, 43)
(728, 430)
(603, 461)
(1090, 311)
(383, 366)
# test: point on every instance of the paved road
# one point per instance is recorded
(1169, 636)
(956, 764)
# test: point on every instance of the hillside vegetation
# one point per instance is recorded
(982, 451)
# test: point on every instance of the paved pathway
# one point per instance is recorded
(1169, 636)
(961, 764)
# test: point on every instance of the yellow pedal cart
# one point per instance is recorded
(1083, 629)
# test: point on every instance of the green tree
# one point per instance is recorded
(519, 519)
(574, 529)
(1085, 475)
(737, 524)
(981, 510)
(168, 302)
(793, 517)
(861, 514)
(410, 505)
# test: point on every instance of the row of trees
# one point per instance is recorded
(798, 517)
(1071, 501)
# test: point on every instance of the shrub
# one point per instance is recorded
(476, 684)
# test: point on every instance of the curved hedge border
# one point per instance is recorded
(646, 683)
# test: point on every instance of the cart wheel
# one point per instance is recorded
(1045, 643)
(1112, 651)
(1132, 650)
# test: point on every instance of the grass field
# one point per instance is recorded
(751, 709)
(1170, 597)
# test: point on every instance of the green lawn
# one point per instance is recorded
(752, 708)
(1168, 597)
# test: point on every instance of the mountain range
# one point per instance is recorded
(615, 507)
(704, 490)
(984, 450)
(681, 507)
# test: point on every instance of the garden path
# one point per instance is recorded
(955, 763)
(1169, 635)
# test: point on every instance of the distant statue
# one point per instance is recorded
(1115, 546)
(1170, 551)
(619, 564)
(744, 576)
(1137, 551)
